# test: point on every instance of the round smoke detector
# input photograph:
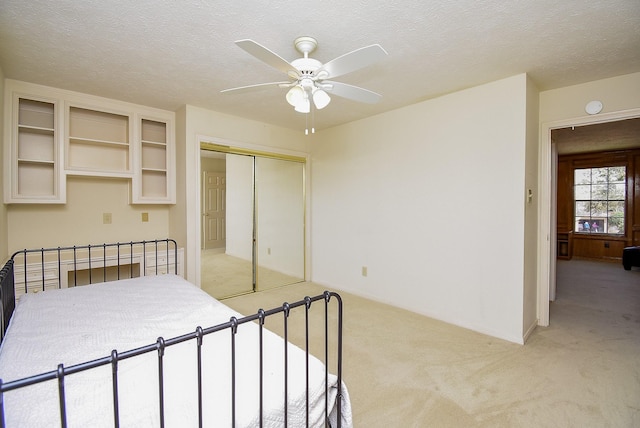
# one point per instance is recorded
(593, 107)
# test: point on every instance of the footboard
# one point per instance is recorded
(306, 394)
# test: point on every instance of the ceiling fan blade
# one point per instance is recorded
(267, 56)
(352, 61)
(351, 92)
(258, 86)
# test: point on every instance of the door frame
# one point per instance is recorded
(547, 181)
(236, 147)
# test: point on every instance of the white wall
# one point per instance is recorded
(430, 198)
(530, 293)
(79, 221)
(617, 94)
(3, 208)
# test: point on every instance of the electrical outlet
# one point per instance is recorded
(268, 251)
(364, 271)
(145, 217)
(106, 218)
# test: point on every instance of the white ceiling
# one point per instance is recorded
(167, 53)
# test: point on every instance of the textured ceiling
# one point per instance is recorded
(167, 53)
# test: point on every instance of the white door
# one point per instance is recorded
(213, 210)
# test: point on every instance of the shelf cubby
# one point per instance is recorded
(98, 143)
(152, 182)
(34, 161)
(36, 179)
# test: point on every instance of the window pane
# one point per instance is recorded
(617, 174)
(582, 176)
(582, 224)
(599, 192)
(583, 191)
(616, 191)
(599, 209)
(616, 217)
(616, 225)
(616, 209)
(599, 175)
(582, 209)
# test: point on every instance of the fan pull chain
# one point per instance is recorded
(306, 118)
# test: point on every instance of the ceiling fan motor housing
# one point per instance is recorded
(306, 66)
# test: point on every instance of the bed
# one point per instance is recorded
(155, 350)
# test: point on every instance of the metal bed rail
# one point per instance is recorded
(98, 257)
(61, 372)
(7, 296)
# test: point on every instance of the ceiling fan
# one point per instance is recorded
(309, 77)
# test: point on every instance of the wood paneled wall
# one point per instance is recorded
(597, 246)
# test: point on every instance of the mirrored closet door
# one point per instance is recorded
(252, 221)
(279, 222)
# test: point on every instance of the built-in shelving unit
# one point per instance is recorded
(98, 143)
(51, 133)
(32, 151)
(151, 183)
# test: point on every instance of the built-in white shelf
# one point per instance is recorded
(33, 173)
(51, 133)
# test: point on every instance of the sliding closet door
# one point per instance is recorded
(279, 222)
(264, 209)
(236, 274)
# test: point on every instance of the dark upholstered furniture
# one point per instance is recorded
(630, 257)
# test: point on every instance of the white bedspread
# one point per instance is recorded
(78, 324)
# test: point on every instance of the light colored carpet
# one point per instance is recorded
(223, 275)
(406, 370)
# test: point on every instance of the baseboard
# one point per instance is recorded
(529, 331)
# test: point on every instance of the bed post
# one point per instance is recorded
(7, 296)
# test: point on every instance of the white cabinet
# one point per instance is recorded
(34, 279)
(51, 133)
(33, 171)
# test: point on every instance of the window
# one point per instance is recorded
(599, 195)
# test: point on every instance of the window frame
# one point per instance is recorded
(594, 165)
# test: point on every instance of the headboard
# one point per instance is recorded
(35, 270)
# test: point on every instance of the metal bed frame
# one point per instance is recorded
(91, 255)
(7, 295)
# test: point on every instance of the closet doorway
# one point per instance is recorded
(253, 210)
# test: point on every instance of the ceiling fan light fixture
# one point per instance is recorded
(320, 98)
(303, 106)
(295, 95)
